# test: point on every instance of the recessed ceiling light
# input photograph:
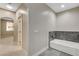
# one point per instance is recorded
(9, 7)
(62, 6)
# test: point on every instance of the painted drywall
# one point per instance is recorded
(24, 12)
(68, 20)
(4, 32)
(41, 21)
(6, 13)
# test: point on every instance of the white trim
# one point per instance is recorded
(39, 52)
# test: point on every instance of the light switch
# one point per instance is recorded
(36, 31)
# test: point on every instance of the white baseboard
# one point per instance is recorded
(39, 52)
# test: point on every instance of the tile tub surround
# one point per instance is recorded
(64, 35)
(52, 35)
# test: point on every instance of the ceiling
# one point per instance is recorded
(58, 8)
(14, 6)
(55, 6)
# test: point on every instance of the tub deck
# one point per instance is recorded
(65, 46)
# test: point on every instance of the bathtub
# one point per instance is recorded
(65, 46)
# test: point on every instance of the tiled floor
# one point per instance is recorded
(53, 52)
(7, 40)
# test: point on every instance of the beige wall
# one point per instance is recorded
(68, 20)
(6, 13)
(41, 21)
(4, 33)
(24, 27)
